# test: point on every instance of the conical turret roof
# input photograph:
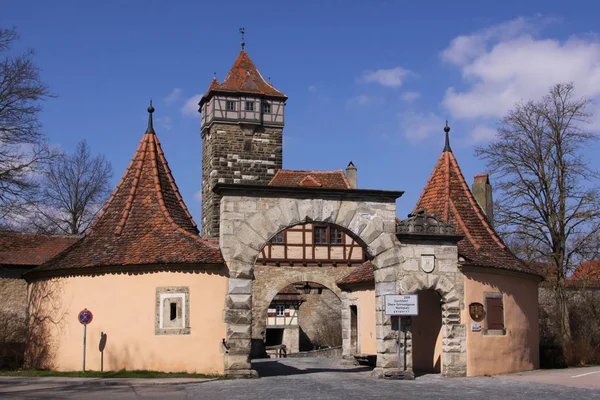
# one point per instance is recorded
(145, 221)
(447, 195)
(243, 78)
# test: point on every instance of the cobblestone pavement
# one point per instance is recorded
(306, 379)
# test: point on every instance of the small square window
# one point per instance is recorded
(280, 310)
(172, 311)
(249, 106)
(230, 105)
(266, 108)
(279, 238)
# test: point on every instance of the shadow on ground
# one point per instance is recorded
(286, 367)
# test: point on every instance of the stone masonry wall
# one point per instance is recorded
(236, 154)
(448, 281)
(248, 221)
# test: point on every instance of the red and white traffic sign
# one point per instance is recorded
(85, 316)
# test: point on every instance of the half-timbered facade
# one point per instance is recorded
(312, 245)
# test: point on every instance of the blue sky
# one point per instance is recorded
(371, 82)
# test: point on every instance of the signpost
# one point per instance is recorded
(402, 305)
(85, 317)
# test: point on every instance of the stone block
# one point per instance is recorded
(410, 265)
(373, 230)
(239, 346)
(389, 255)
(386, 346)
(237, 317)
(240, 286)
(239, 301)
(244, 253)
(345, 213)
(330, 210)
(289, 211)
(385, 274)
(387, 360)
(238, 331)
(383, 288)
(236, 362)
(359, 222)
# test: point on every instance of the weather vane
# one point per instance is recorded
(242, 31)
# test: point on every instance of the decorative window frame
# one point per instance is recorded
(493, 332)
(163, 293)
(249, 105)
(229, 103)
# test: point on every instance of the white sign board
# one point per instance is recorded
(401, 304)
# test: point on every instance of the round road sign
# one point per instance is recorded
(85, 316)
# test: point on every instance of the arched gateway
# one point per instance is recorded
(251, 215)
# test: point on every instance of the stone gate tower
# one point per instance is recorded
(241, 128)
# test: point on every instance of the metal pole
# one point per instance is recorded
(84, 334)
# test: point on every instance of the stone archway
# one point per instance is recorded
(252, 215)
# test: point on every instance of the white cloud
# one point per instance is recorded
(363, 100)
(190, 108)
(164, 123)
(198, 196)
(312, 88)
(409, 97)
(392, 77)
(419, 126)
(173, 96)
(505, 64)
(482, 133)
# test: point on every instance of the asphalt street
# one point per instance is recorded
(310, 379)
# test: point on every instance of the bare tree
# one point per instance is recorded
(22, 145)
(75, 187)
(547, 195)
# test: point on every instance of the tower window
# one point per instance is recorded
(248, 145)
(266, 108)
(249, 106)
(230, 105)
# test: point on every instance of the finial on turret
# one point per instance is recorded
(447, 130)
(150, 128)
(242, 31)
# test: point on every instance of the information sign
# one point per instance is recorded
(401, 304)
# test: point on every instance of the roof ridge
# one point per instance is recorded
(134, 185)
(475, 205)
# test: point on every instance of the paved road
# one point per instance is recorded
(308, 379)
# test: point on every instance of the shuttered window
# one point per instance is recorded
(494, 313)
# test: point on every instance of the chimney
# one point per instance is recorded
(351, 175)
(482, 191)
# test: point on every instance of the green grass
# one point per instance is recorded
(111, 374)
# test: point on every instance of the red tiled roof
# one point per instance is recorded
(144, 222)
(587, 270)
(243, 78)
(448, 195)
(19, 248)
(362, 274)
(325, 179)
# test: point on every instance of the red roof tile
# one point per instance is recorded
(326, 179)
(362, 274)
(448, 195)
(29, 249)
(243, 78)
(144, 222)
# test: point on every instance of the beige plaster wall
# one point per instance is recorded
(124, 308)
(367, 335)
(518, 349)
